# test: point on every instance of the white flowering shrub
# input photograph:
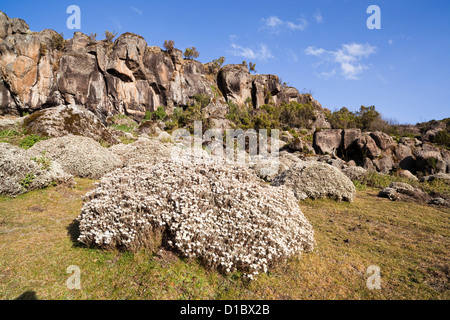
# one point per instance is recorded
(221, 214)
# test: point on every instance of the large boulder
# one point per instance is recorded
(80, 156)
(383, 141)
(354, 173)
(234, 81)
(222, 215)
(63, 120)
(350, 137)
(20, 172)
(384, 163)
(310, 179)
(403, 192)
(446, 158)
(327, 141)
(438, 176)
(369, 147)
(429, 159)
(404, 157)
(263, 87)
(406, 174)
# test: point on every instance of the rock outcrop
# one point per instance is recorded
(40, 70)
(403, 192)
(377, 151)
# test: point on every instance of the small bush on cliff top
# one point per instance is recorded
(191, 53)
(169, 45)
(57, 42)
(92, 39)
(109, 36)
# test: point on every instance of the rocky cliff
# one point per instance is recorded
(40, 70)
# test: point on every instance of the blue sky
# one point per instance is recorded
(318, 46)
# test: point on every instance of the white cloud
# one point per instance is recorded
(299, 26)
(262, 54)
(318, 16)
(348, 57)
(391, 41)
(137, 10)
(272, 22)
(312, 51)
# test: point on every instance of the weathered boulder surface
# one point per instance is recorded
(403, 192)
(429, 159)
(63, 120)
(20, 172)
(383, 141)
(354, 173)
(327, 141)
(310, 179)
(438, 176)
(406, 174)
(40, 70)
(235, 83)
(80, 156)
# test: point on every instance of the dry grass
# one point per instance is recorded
(408, 241)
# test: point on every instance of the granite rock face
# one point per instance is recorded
(40, 70)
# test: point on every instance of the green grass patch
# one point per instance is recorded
(408, 241)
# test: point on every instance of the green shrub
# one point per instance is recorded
(43, 161)
(442, 138)
(27, 181)
(126, 140)
(8, 133)
(297, 115)
(29, 141)
(202, 99)
(57, 42)
(169, 45)
(191, 53)
(359, 186)
(216, 92)
(92, 39)
(218, 63)
(109, 36)
(122, 127)
(239, 115)
(160, 113)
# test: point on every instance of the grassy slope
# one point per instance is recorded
(409, 242)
